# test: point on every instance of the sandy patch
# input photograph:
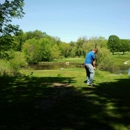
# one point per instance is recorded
(126, 62)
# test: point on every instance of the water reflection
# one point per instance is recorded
(53, 66)
(124, 70)
(129, 72)
(63, 65)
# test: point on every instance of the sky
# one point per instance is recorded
(73, 19)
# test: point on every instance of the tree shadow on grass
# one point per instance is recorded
(50, 103)
(114, 100)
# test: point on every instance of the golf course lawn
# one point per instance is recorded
(60, 100)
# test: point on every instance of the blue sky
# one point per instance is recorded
(71, 19)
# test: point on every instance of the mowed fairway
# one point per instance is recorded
(60, 100)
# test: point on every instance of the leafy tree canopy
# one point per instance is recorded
(8, 10)
(113, 43)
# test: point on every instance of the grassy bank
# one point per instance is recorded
(75, 60)
(120, 58)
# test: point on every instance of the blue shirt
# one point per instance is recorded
(90, 56)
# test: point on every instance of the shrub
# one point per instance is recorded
(5, 68)
(11, 67)
(18, 61)
(104, 61)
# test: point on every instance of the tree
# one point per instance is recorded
(87, 46)
(6, 45)
(8, 11)
(19, 39)
(104, 60)
(72, 49)
(37, 34)
(101, 42)
(124, 45)
(36, 50)
(113, 43)
(65, 49)
(128, 45)
(55, 52)
(30, 48)
(79, 46)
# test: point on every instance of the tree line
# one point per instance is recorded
(38, 46)
(115, 44)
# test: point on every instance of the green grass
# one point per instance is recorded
(119, 58)
(74, 60)
(60, 100)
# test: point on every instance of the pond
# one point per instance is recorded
(55, 65)
(125, 69)
(64, 65)
(129, 72)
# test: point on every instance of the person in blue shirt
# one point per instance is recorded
(90, 65)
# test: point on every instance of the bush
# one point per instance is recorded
(18, 61)
(11, 67)
(5, 68)
(104, 61)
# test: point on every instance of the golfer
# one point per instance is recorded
(90, 65)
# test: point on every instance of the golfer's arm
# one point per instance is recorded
(94, 63)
